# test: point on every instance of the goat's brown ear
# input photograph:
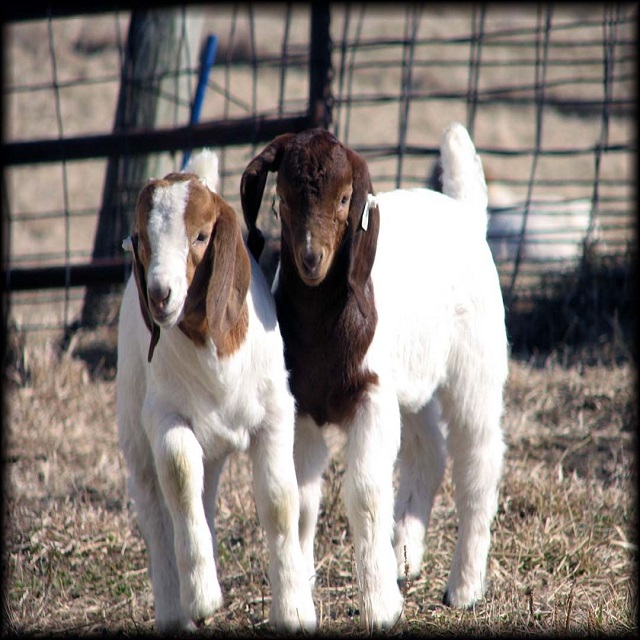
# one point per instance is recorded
(364, 232)
(252, 186)
(141, 285)
(229, 281)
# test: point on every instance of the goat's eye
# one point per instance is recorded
(344, 200)
(202, 237)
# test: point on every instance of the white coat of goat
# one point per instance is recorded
(201, 374)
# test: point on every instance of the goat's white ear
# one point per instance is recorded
(127, 245)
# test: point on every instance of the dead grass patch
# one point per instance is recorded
(564, 549)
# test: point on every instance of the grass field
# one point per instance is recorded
(564, 541)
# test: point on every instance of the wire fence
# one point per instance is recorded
(547, 92)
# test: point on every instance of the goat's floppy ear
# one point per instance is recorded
(252, 186)
(364, 220)
(230, 276)
(141, 284)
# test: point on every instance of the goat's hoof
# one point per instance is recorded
(301, 616)
(205, 604)
(174, 627)
(409, 548)
(299, 623)
(459, 601)
(382, 624)
(383, 614)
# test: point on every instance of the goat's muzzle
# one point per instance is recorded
(311, 261)
(159, 296)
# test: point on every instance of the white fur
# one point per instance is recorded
(178, 419)
(205, 165)
(168, 236)
(440, 352)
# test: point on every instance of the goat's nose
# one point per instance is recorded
(311, 260)
(159, 295)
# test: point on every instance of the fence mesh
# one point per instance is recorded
(547, 92)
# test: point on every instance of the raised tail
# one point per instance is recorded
(205, 165)
(462, 173)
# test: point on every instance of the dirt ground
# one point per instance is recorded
(565, 546)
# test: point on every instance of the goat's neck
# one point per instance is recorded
(325, 338)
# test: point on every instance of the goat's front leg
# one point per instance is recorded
(156, 526)
(372, 447)
(179, 464)
(276, 494)
(311, 456)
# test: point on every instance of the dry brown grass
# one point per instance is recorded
(564, 547)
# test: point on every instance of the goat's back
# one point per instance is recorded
(430, 239)
(436, 290)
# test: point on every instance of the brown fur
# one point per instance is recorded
(218, 272)
(328, 321)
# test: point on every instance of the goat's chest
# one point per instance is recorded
(213, 399)
(324, 354)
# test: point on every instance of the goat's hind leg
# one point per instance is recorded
(421, 466)
(212, 471)
(476, 447)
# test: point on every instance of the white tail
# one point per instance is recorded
(462, 173)
(205, 165)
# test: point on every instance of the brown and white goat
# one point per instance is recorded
(391, 314)
(200, 374)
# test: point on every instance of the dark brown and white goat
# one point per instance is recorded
(200, 374)
(391, 314)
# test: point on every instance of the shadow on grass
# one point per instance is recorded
(586, 315)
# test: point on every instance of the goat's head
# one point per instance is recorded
(323, 188)
(190, 264)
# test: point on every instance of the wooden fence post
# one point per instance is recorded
(155, 49)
